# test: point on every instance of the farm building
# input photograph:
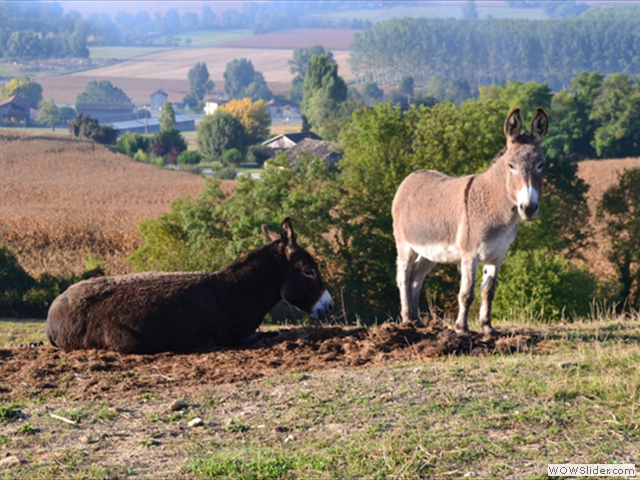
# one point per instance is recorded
(16, 111)
(107, 112)
(298, 144)
(158, 99)
(283, 112)
(184, 123)
(289, 140)
(315, 148)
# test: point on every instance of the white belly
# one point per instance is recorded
(440, 253)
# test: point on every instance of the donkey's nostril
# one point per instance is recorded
(531, 209)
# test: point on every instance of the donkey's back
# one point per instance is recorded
(144, 313)
(428, 211)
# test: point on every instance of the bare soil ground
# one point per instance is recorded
(99, 375)
(600, 175)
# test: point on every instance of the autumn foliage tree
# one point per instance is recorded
(253, 115)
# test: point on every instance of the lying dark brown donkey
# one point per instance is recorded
(157, 312)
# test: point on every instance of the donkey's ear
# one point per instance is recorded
(539, 125)
(513, 125)
(269, 235)
(288, 236)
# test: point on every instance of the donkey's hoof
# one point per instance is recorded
(489, 331)
(463, 332)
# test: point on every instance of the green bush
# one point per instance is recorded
(21, 295)
(130, 143)
(14, 283)
(233, 156)
(189, 158)
(536, 284)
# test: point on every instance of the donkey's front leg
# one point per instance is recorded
(468, 267)
(488, 288)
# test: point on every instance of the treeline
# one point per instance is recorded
(36, 30)
(39, 30)
(485, 52)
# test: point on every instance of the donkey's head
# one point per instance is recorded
(302, 285)
(524, 161)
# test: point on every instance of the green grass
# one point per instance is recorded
(434, 11)
(199, 39)
(574, 398)
(215, 38)
(500, 416)
(15, 332)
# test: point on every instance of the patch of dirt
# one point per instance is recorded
(97, 375)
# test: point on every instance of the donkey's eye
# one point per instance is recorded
(512, 167)
(540, 165)
(309, 273)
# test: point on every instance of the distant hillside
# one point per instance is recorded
(62, 199)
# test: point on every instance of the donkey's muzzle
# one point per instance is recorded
(323, 306)
(528, 211)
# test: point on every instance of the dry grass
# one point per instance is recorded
(63, 199)
(600, 175)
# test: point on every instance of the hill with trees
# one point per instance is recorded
(485, 52)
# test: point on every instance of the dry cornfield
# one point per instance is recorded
(64, 199)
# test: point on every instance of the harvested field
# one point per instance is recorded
(62, 199)
(168, 70)
(600, 175)
(329, 38)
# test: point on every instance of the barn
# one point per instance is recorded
(16, 111)
(107, 112)
(184, 123)
(158, 99)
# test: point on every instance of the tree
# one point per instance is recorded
(102, 92)
(298, 67)
(253, 115)
(617, 112)
(322, 91)
(619, 213)
(218, 133)
(469, 10)
(406, 87)
(24, 88)
(199, 81)
(372, 91)
(302, 55)
(573, 127)
(48, 114)
(168, 144)
(130, 143)
(167, 118)
(241, 80)
(88, 127)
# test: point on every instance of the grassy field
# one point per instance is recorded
(443, 10)
(573, 397)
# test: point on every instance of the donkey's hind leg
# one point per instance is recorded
(406, 261)
(420, 270)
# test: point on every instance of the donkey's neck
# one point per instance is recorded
(489, 198)
(258, 275)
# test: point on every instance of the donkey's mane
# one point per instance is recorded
(523, 138)
(241, 266)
